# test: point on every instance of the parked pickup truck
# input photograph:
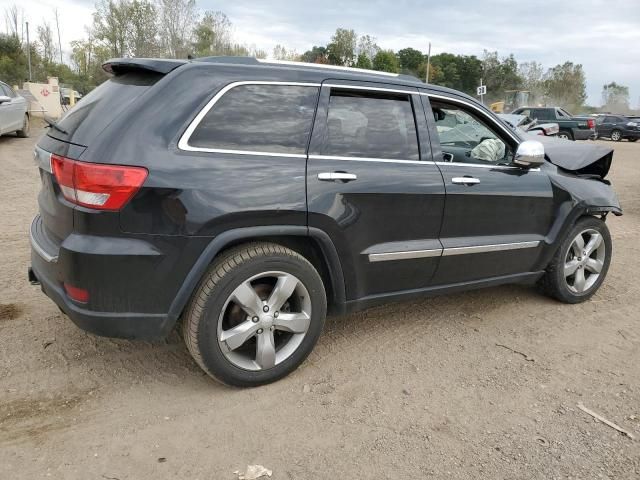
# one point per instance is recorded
(571, 128)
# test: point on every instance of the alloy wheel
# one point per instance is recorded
(615, 136)
(264, 320)
(584, 261)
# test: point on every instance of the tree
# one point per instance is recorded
(410, 60)
(281, 53)
(11, 16)
(531, 74)
(111, 25)
(367, 46)
(212, 35)
(500, 75)
(342, 49)
(444, 70)
(142, 34)
(13, 60)
(315, 55)
(565, 85)
(386, 61)
(364, 61)
(615, 97)
(177, 19)
(47, 44)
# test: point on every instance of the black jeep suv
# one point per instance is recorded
(248, 198)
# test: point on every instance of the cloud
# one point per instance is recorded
(603, 39)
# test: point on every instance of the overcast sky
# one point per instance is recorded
(602, 35)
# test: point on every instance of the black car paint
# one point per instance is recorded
(142, 264)
(606, 124)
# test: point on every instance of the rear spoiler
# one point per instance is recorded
(119, 66)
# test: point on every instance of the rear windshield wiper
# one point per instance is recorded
(52, 123)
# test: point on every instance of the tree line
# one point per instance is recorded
(178, 29)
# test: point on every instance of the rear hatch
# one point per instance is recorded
(77, 129)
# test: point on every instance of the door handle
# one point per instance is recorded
(337, 176)
(465, 180)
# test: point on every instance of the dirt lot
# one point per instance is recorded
(481, 385)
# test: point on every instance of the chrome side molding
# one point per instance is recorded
(446, 252)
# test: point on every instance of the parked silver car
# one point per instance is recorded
(14, 115)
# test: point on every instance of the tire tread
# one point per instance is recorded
(223, 265)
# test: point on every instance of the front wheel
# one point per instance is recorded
(581, 263)
(616, 135)
(256, 315)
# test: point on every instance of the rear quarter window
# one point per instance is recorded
(101, 106)
(259, 118)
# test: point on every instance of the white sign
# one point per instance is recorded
(482, 90)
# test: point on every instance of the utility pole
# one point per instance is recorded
(428, 63)
(58, 27)
(28, 50)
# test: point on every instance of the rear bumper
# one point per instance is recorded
(130, 291)
(106, 324)
(583, 134)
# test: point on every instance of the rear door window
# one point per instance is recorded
(371, 125)
(259, 118)
(544, 114)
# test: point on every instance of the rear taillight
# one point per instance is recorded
(591, 123)
(77, 294)
(95, 185)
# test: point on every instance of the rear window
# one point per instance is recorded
(371, 125)
(259, 118)
(101, 106)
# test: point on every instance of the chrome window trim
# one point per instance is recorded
(498, 247)
(372, 89)
(447, 252)
(476, 108)
(183, 143)
(369, 159)
(476, 165)
(406, 255)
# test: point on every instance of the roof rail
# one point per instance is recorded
(329, 67)
(228, 59)
(258, 61)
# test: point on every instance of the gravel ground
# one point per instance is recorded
(480, 385)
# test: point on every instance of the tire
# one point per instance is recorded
(616, 135)
(565, 135)
(568, 289)
(267, 347)
(26, 127)
(633, 139)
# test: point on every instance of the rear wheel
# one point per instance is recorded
(616, 135)
(565, 135)
(256, 315)
(26, 126)
(581, 263)
(633, 139)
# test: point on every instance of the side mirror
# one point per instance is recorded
(4, 99)
(530, 154)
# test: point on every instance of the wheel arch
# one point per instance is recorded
(567, 216)
(314, 244)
